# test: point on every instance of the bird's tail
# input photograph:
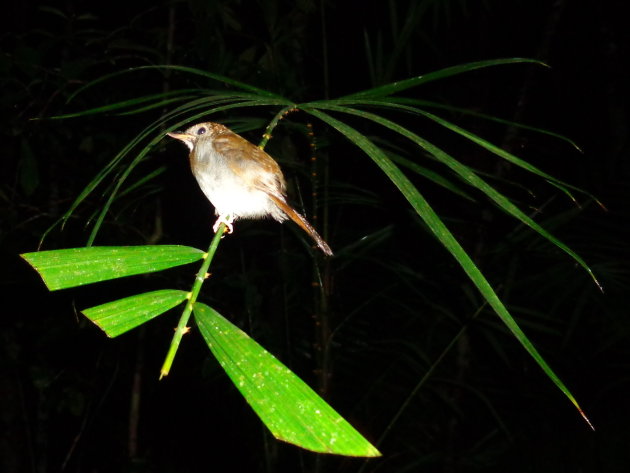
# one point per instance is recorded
(303, 223)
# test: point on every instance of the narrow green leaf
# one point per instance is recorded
(399, 86)
(430, 175)
(291, 410)
(61, 269)
(120, 316)
(484, 116)
(563, 186)
(444, 235)
(147, 178)
(154, 105)
(187, 70)
(468, 175)
(180, 94)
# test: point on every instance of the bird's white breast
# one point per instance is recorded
(230, 193)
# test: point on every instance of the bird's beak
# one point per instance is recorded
(188, 140)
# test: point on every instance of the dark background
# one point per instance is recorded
(395, 299)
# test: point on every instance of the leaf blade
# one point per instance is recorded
(468, 175)
(399, 86)
(443, 234)
(119, 316)
(62, 269)
(291, 410)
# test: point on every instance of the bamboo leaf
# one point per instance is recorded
(399, 86)
(188, 70)
(291, 410)
(563, 186)
(430, 175)
(160, 99)
(120, 316)
(484, 116)
(443, 234)
(61, 269)
(468, 175)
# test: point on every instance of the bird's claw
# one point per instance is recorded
(227, 219)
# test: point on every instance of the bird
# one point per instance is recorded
(240, 179)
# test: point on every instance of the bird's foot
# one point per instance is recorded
(227, 219)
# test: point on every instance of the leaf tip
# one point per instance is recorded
(597, 283)
(586, 419)
(28, 258)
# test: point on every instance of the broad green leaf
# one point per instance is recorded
(61, 269)
(443, 234)
(291, 410)
(118, 317)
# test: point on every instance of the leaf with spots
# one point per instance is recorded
(122, 315)
(61, 269)
(290, 409)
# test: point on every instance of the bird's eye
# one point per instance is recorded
(202, 130)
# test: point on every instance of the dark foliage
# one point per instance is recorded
(396, 299)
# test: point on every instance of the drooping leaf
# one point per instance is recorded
(469, 176)
(563, 186)
(483, 116)
(61, 269)
(291, 410)
(163, 98)
(443, 234)
(122, 315)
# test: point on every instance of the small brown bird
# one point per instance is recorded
(239, 178)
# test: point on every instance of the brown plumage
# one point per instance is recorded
(239, 178)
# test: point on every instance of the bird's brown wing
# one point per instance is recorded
(250, 163)
(261, 171)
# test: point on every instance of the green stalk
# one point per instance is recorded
(279, 116)
(182, 327)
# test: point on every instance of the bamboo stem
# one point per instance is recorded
(182, 326)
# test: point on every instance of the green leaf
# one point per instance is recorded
(443, 234)
(484, 116)
(399, 86)
(563, 186)
(61, 269)
(468, 175)
(430, 175)
(118, 317)
(188, 70)
(291, 410)
(217, 104)
(162, 98)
